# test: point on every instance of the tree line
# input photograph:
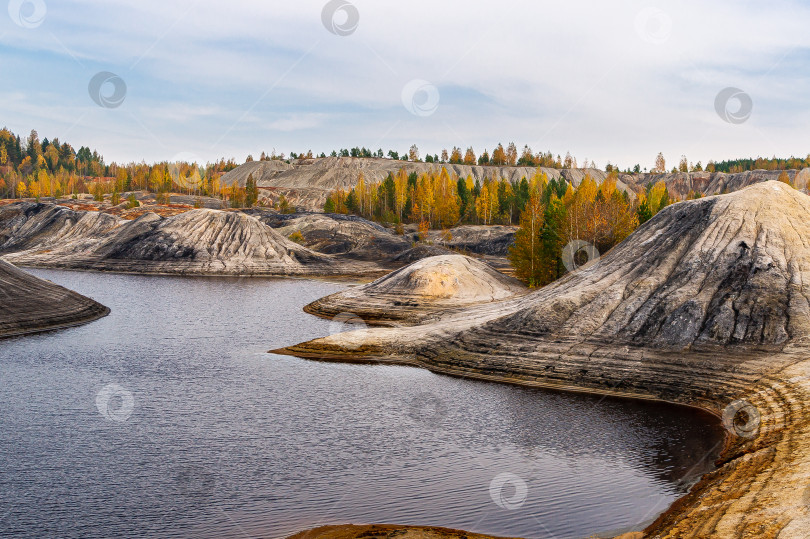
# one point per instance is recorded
(436, 198)
(761, 163)
(507, 157)
(31, 167)
(36, 168)
(550, 212)
(597, 215)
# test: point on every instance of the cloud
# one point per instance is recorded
(297, 122)
(563, 76)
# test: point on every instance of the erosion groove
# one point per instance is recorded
(704, 305)
(30, 305)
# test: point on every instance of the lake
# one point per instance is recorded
(168, 418)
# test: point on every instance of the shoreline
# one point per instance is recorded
(33, 305)
(337, 278)
(344, 531)
(690, 515)
(706, 304)
(372, 531)
(65, 325)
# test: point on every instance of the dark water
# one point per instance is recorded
(168, 419)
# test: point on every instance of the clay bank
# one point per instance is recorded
(204, 241)
(707, 304)
(32, 305)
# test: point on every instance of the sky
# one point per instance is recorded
(606, 81)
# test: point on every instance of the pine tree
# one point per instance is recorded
(464, 197)
(33, 146)
(644, 212)
(251, 191)
(522, 195)
(525, 253)
(351, 202)
(551, 241)
(329, 207)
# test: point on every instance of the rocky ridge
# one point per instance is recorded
(492, 240)
(217, 242)
(355, 238)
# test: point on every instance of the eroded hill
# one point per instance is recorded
(412, 293)
(201, 241)
(706, 304)
(30, 305)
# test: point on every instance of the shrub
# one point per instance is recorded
(297, 237)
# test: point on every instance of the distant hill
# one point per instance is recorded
(679, 184)
(307, 182)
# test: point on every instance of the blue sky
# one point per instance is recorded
(616, 81)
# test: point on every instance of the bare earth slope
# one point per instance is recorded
(307, 182)
(29, 304)
(680, 184)
(414, 292)
(203, 241)
(706, 304)
(355, 238)
(480, 239)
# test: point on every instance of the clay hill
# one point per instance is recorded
(30, 305)
(707, 304)
(412, 293)
(335, 234)
(680, 184)
(202, 241)
(252, 242)
(307, 182)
